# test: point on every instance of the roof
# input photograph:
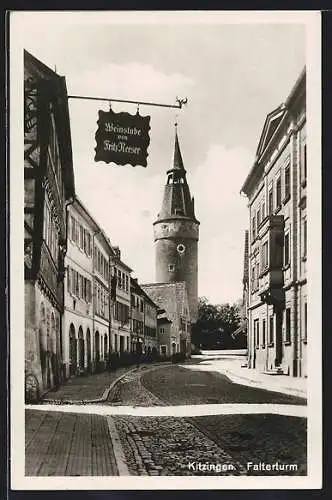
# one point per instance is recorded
(136, 288)
(177, 201)
(271, 123)
(100, 231)
(169, 296)
(57, 93)
(271, 128)
(177, 158)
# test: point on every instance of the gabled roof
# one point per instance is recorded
(270, 126)
(271, 129)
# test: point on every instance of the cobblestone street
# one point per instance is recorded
(167, 446)
(64, 442)
(170, 446)
(178, 385)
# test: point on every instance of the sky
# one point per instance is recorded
(232, 70)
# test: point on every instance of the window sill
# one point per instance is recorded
(263, 346)
(304, 258)
(287, 266)
(271, 344)
(304, 183)
(304, 341)
(287, 342)
(286, 199)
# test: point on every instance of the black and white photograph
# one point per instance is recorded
(165, 250)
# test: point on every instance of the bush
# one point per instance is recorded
(178, 357)
(196, 351)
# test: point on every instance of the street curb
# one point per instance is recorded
(89, 401)
(237, 379)
(118, 452)
(103, 398)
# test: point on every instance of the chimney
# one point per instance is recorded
(117, 252)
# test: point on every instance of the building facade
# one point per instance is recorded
(143, 321)
(79, 312)
(172, 297)
(121, 300)
(97, 316)
(176, 234)
(164, 333)
(102, 268)
(276, 190)
(48, 189)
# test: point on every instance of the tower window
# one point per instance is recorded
(181, 248)
(171, 267)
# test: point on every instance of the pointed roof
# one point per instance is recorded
(177, 201)
(177, 158)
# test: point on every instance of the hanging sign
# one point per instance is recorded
(122, 138)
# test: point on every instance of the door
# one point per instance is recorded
(278, 359)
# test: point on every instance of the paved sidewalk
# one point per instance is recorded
(87, 388)
(68, 444)
(238, 374)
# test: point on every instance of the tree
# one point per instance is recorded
(215, 325)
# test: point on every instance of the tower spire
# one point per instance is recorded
(177, 159)
(176, 232)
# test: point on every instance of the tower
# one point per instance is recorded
(176, 233)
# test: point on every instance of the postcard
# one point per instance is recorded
(165, 244)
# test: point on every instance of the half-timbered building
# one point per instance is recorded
(48, 189)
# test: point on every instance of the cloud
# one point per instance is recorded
(126, 201)
(130, 81)
(223, 215)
